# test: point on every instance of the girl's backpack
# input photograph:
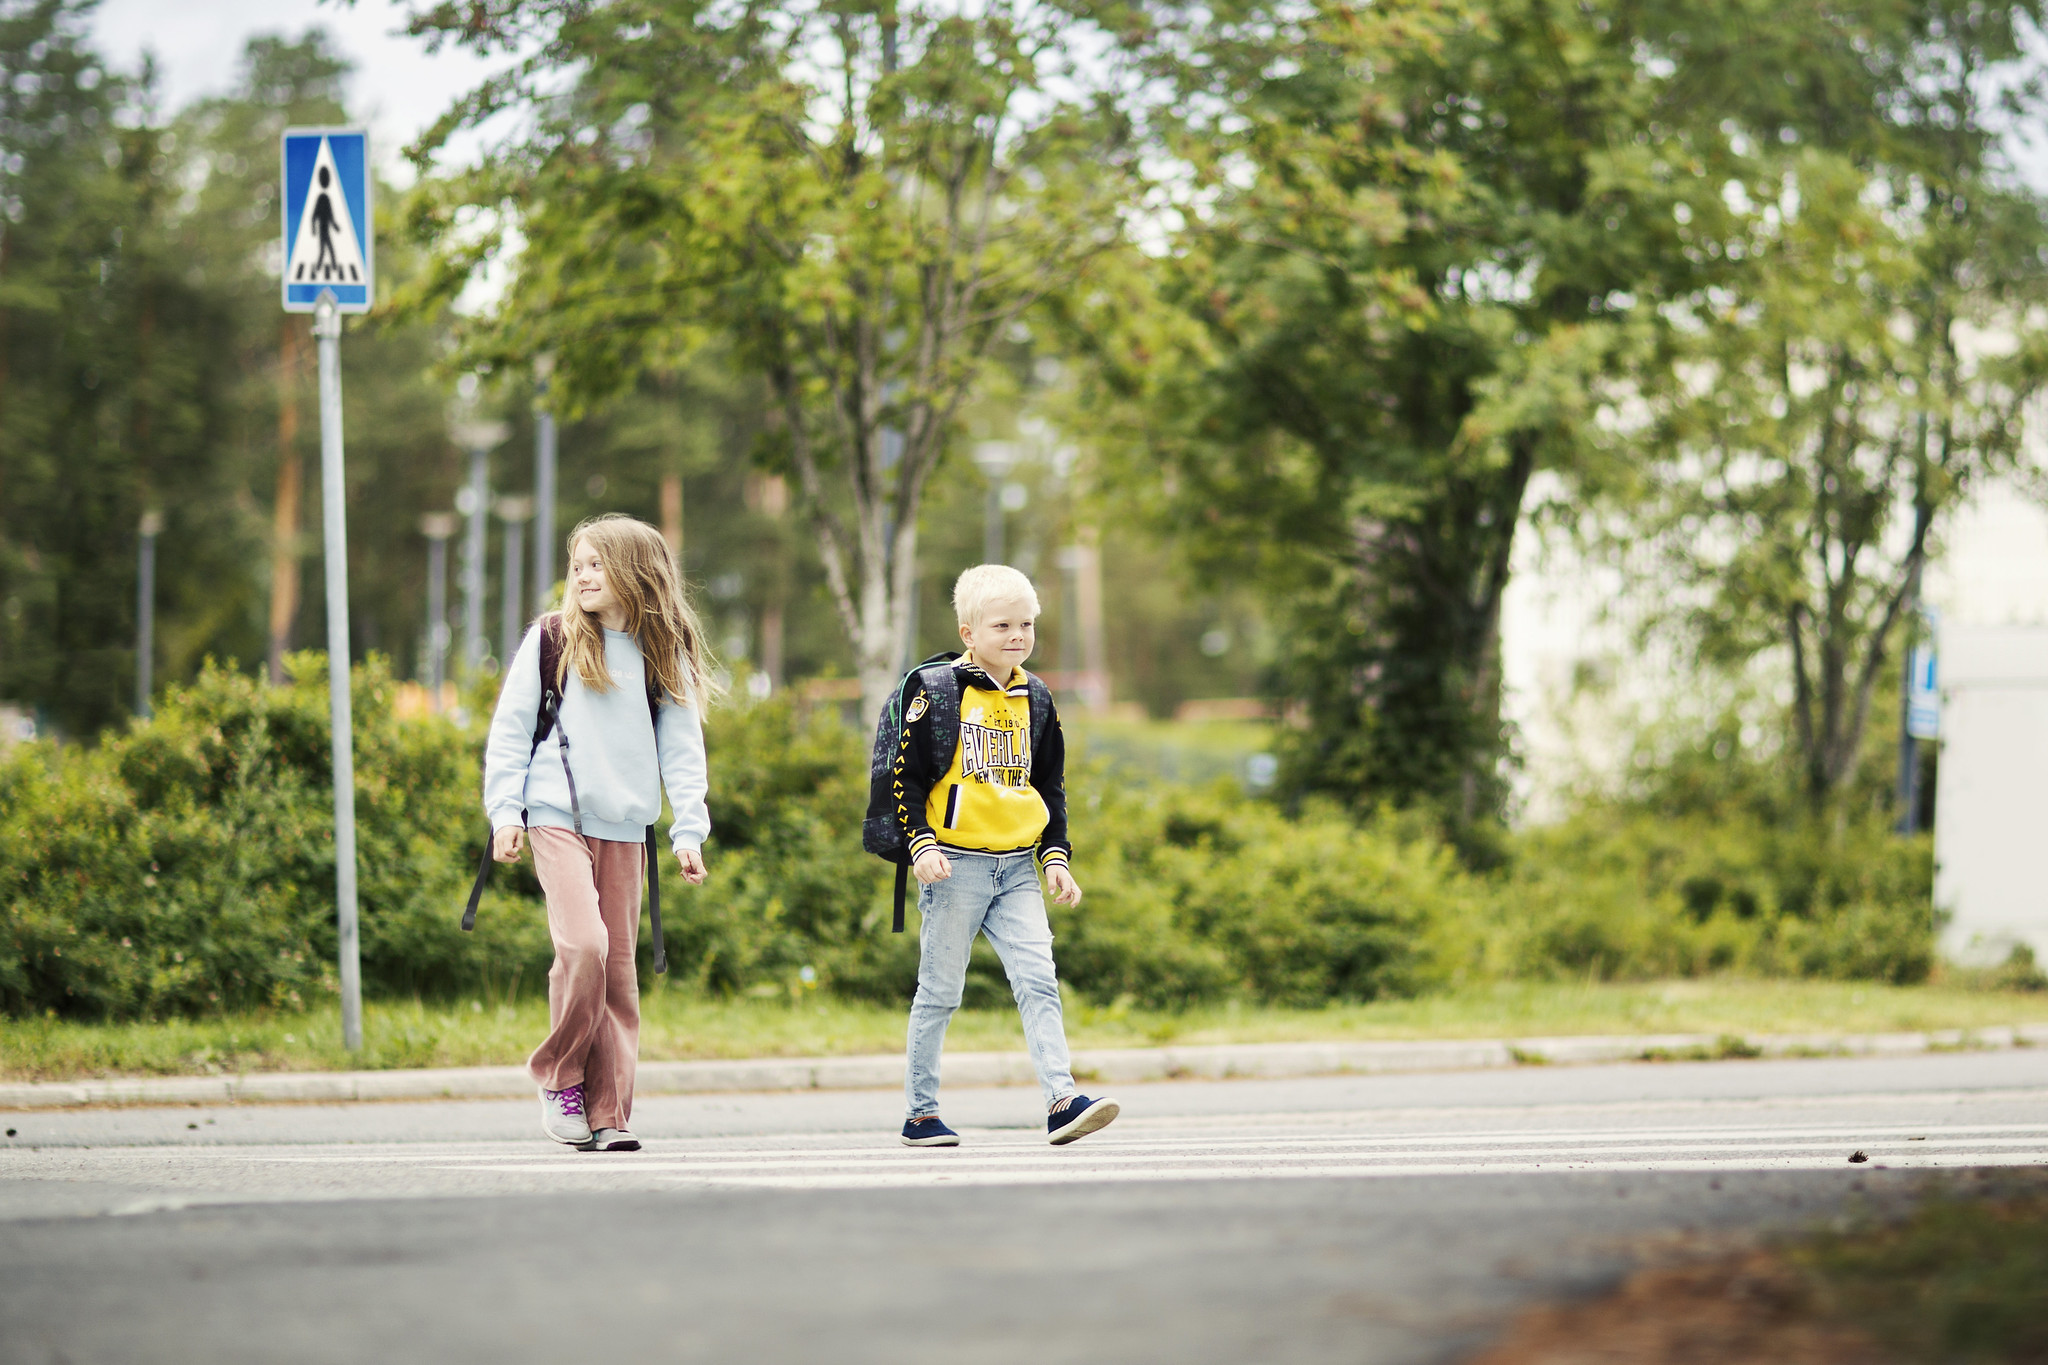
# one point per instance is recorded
(551, 640)
(881, 833)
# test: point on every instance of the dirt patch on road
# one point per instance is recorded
(1958, 1277)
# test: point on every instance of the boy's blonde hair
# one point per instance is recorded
(985, 584)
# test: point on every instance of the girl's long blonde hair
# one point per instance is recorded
(643, 575)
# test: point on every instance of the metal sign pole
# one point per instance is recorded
(334, 520)
(327, 216)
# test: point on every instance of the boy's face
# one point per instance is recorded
(1002, 638)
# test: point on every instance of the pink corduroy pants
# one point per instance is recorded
(593, 893)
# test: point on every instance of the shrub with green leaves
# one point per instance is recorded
(187, 863)
(185, 866)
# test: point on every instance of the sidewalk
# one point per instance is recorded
(1106, 1066)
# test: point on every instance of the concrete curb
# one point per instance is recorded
(1106, 1066)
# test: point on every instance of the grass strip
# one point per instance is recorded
(680, 1025)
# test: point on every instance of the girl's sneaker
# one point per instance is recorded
(1078, 1116)
(561, 1115)
(929, 1132)
(610, 1140)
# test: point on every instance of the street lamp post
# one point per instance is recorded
(145, 610)
(437, 527)
(995, 459)
(513, 512)
(543, 483)
(479, 436)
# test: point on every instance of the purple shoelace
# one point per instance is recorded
(571, 1100)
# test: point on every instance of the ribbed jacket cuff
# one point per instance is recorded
(1048, 857)
(921, 842)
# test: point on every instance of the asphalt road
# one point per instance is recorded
(1387, 1219)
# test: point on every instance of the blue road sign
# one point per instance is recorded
(1923, 695)
(329, 238)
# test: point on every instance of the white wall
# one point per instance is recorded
(1991, 825)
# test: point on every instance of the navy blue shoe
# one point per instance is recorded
(1077, 1116)
(929, 1132)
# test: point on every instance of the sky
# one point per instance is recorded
(397, 88)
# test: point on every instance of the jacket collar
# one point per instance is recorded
(974, 675)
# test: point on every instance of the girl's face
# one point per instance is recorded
(1002, 638)
(593, 593)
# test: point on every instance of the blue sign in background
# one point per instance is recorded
(350, 150)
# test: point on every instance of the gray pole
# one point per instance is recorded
(476, 506)
(995, 460)
(334, 519)
(1908, 793)
(992, 526)
(437, 527)
(512, 618)
(145, 611)
(543, 487)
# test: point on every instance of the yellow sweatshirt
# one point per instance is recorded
(986, 800)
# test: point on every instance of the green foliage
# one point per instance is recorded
(1957, 1279)
(856, 204)
(185, 867)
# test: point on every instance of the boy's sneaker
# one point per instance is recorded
(929, 1132)
(609, 1140)
(562, 1117)
(1077, 1116)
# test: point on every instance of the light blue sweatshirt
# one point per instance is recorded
(622, 759)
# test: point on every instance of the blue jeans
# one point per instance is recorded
(996, 895)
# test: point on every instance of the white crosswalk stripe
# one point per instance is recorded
(1157, 1152)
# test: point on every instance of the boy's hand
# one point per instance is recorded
(932, 866)
(506, 843)
(692, 862)
(1065, 889)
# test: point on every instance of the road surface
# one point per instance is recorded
(1364, 1219)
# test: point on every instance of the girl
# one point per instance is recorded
(633, 675)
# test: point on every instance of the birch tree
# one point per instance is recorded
(861, 200)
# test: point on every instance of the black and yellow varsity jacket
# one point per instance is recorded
(992, 790)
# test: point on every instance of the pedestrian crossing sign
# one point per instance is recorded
(329, 237)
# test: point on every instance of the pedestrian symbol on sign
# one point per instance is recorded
(327, 223)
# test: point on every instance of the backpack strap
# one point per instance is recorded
(544, 720)
(942, 686)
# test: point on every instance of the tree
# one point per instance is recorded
(1422, 244)
(1870, 362)
(859, 201)
(116, 376)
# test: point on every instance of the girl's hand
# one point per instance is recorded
(506, 843)
(692, 862)
(1065, 889)
(932, 866)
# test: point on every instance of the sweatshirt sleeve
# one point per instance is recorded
(1049, 778)
(679, 744)
(509, 747)
(910, 783)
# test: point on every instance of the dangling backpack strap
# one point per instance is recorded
(653, 847)
(543, 721)
(654, 902)
(902, 885)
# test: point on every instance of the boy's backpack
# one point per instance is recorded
(551, 641)
(880, 832)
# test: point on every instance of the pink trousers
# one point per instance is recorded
(593, 893)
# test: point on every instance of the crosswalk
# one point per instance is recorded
(1161, 1151)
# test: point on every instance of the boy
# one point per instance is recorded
(974, 810)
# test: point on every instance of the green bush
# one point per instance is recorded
(1621, 892)
(185, 866)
